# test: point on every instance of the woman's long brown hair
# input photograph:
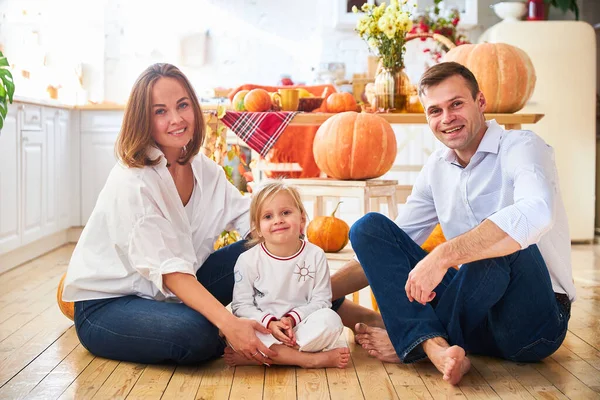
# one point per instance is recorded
(134, 138)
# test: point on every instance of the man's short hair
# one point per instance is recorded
(442, 71)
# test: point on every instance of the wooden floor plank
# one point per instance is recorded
(432, 378)
(312, 384)
(120, 382)
(583, 371)
(61, 377)
(280, 383)
(90, 380)
(499, 379)
(372, 375)
(152, 383)
(248, 382)
(343, 383)
(216, 382)
(184, 383)
(28, 378)
(564, 380)
(583, 350)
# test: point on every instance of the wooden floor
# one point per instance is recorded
(41, 358)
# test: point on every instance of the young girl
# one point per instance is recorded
(283, 283)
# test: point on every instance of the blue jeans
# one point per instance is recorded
(139, 330)
(503, 307)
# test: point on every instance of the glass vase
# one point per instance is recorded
(392, 90)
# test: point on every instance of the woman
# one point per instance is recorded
(146, 287)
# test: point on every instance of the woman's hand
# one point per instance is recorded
(241, 336)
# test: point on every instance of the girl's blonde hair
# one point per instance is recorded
(263, 193)
(134, 138)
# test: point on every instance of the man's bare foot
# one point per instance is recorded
(234, 359)
(336, 358)
(377, 342)
(452, 361)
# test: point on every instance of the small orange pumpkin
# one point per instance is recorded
(329, 233)
(66, 307)
(257, 100)
(340, 102)
(238, 100)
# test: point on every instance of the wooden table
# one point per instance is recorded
(510, 121)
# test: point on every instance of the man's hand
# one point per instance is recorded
(282, 330)
(425, 277)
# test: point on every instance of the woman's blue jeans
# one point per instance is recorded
(503, 307)
(147, 331)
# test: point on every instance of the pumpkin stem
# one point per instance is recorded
(336, 208)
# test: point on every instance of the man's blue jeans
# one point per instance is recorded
(147, 331)
(503, 307)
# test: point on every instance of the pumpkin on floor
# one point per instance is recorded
(66, 307)
(329, 233)
(505, 73)
(355, 146)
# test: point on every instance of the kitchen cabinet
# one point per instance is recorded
(35, 166)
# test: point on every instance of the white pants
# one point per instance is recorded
(319, 331)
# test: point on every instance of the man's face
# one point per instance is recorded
(455, 118)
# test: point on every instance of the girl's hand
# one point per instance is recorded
(289, 332)
(279, 331)
(241, 336)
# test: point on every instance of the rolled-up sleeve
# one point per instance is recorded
(531, 164)
(155, 249)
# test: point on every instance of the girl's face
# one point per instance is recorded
(281, 222)
(172, 115)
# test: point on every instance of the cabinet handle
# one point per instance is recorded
(24, 139)
(34, 117)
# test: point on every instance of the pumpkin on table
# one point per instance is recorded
(238, 100)
(505, 73)
(355, 146)
(329, 233)
(257, 100)
(340, 102)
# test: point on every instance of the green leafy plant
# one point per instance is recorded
(565, 5)
(7, 88)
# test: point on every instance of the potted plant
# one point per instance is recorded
(7, 88)
(564, 6)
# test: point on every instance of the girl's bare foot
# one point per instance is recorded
(336, 358)
(377, 342)
(234, 359)
(452, 361)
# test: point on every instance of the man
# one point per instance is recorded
(496, 195)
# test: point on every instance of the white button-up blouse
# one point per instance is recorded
(139, 230)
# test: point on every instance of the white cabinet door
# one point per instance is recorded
(50, 217)
(99, 131)
(10, 188)
(33, 154)
(63, 168)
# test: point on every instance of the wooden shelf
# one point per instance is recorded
(307, 119)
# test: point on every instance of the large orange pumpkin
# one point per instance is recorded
(355, 146)
(257, 100)
(505, 73)
(340, 102)
(329, 233)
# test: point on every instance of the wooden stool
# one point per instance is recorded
(368, 192)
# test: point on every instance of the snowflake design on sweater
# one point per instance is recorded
(303, 271)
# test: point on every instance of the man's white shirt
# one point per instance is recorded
(512, 181)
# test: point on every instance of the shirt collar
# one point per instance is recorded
(490, 143)
(154, 152)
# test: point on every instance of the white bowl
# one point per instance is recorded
(510, 10)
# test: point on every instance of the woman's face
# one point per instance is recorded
(172, 115)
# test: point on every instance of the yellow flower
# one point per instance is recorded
(354, 9)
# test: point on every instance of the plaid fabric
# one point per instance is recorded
(259, 130)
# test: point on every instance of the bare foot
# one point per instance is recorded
(452, 362)
(336, 358)
(377, 342)
(234, 359)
